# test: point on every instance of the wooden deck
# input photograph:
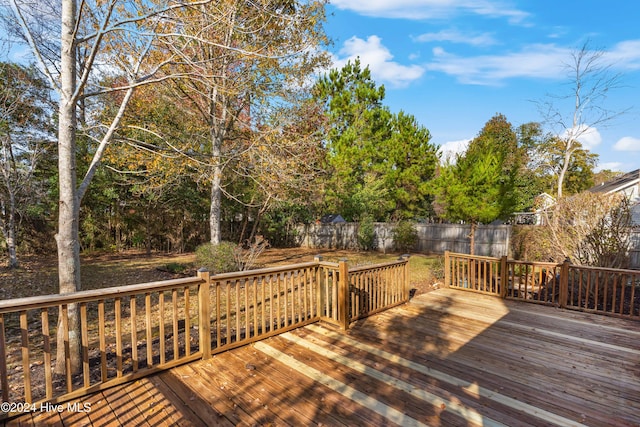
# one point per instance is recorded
(447, 358)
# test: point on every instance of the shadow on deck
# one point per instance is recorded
(446, 358)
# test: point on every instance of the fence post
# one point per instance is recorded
(204, 317)
(564, 283)
(504, 277)
(343, 295)
(447, 269)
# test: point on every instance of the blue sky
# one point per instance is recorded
(454, 64)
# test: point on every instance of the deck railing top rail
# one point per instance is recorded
(476, 257)
(264, 271)
(29, 303)
(544, 264)
(377, 266)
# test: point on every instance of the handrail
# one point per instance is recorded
(29, 303)
(376, 266)
(263, 271)
(606, 269)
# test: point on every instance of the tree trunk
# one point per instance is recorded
(245, 223)
(69, 209)
(11, 232)
(472, 237)
(215, 211)
(565, 166)
(10, 177)
(147, 232)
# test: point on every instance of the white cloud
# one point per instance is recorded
(432, 9)
(612, 166)
(628, 143)
(380, 61)
(542, 61)
(588, 136)
(454, 36)
(450, 149)
(533, 61)
(624, 55)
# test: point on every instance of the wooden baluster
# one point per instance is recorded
(134, 333)
(175, 325)
(24, 342)
(117, 307)
(84, 337)
(263, 304)
(204, 316)
(187, 323)
(161, 334)
(218, 317)
(67, 349)
(149, 328)
(103, 342)
(46, 349)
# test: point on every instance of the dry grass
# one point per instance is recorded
(38, 275)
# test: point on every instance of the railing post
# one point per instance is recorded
(343, 295)
(564, 283)
(447, 269)
(407, 281)
(504, 277)
(320, 299)
(204, 316)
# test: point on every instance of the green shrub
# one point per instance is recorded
(405, 236)
(175, 267)
(366, 233)
(217, 258)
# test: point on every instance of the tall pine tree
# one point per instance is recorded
(481, 186)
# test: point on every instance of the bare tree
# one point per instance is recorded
(573, 115)
(589, 228)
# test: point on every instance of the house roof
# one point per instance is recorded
(618, 184)
(332, 219)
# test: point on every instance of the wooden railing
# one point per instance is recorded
(125, 333)
(603, 290)
(599, 290)
(533, 281)
(376, 288)
(132, 331)
(474, 273)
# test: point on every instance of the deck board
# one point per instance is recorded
(448, 357)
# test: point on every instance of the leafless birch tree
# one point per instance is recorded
(573, 115)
